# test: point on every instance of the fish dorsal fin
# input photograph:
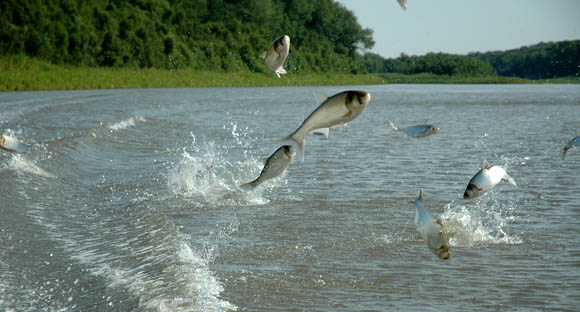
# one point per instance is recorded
(320, 97)
(484, 165)
(420, 197)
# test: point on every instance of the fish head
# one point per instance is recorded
(289, 151)
(443, 252)
(471, 191)
(357, 100)
(282, 43)
(433, 128)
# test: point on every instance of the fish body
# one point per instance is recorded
(12, 145)
(575, 142)
(276, 55)
(485, 179)
(403, 4)
(335, 111)
(418, 131)
(431, 231)
(274, 166)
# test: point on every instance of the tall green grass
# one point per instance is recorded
(25, 73)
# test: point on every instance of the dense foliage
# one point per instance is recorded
(229, 35)
(223, 35)
(432, 63)
(540, 61)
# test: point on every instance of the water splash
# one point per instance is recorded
(214, 172)
(483, 221)
(131, 122)
(21, 164)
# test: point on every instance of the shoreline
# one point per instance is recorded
(28, 74)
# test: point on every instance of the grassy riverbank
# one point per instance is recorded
(23, 73)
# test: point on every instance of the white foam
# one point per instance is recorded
(205, 172)
(21, 164)
(185, 282)
(131, 122)
(478, 222)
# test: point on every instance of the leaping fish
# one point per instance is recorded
(431, 230)
(334, 111)
(275, 165)
(12, 145)
(573, 143)
(418, 131)
(403, 4)
(276, 55)
(485, 179)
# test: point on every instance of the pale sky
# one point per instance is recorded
(463, 26)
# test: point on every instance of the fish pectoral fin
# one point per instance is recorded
(349, 114)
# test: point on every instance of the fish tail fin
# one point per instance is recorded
(564, 152)
(393, 126)
(263, 55)
(299, 140)
(249, 186)
(277, 74)
(418, 206)
(510, 180)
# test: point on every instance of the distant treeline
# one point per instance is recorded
(540, 61)
(432, 63)
(220, 35)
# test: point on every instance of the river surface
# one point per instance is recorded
(128, 200)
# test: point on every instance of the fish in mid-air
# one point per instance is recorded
(485, 179)
(431, 230)
(403, 4)
(573, 143)
(274, 166)
(276, 55)
(334, 111)
(12, 145)
(419, 131)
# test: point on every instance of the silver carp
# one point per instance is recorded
(485, 179)
(334, 111)
(403, 4)
(418, 131)
(276, 55)
(274, 166)
(575, 142)
(431, 231)
(12, 145)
